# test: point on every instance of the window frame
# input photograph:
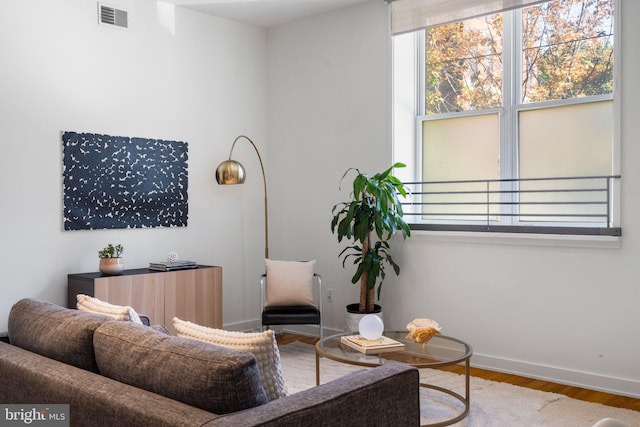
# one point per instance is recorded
(512, 88)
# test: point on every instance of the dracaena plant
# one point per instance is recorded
(375, 209)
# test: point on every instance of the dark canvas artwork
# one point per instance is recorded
(122, 182)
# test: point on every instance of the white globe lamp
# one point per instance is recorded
(371, 327)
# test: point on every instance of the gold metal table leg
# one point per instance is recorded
(464, 400)
(317, 368)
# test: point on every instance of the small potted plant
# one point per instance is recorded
(374, 207)
(110, 260)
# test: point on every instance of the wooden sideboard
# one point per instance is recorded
(193, 294)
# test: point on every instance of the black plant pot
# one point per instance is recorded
(355, 308)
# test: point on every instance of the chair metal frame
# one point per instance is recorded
(317, 294)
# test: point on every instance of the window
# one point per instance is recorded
(512, 127)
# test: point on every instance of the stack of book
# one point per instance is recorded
(172, 265)
(380, 345)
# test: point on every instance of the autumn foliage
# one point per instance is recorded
(565, 51)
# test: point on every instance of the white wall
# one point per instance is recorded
(328, 111)
(560, 309)
(62, 71)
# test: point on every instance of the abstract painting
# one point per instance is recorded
(123, 182)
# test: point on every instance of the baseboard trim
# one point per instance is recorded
(248, 326)
(254, 325)
(309, 330)
(613, 385)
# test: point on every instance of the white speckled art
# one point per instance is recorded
(122, 182)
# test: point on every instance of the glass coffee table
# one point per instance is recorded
(440, 350)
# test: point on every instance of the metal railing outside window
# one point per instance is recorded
(563, 205)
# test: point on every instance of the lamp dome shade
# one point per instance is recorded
(230, 172)
(371, 327)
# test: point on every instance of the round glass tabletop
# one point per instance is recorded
(440, 350)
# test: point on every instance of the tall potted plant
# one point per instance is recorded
(375, 207)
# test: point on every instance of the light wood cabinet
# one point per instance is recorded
(193, 294)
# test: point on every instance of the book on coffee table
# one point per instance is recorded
(366, 346)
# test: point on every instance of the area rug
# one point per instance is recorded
(493, 404)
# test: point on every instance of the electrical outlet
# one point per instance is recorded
(330, 295)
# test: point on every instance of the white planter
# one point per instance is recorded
(111, 266)
(352, 318)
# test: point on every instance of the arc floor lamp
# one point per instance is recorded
(232, 172)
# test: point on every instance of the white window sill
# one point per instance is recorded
(519, 239)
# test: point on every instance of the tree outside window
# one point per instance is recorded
(566, 52)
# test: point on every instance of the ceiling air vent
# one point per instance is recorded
(111, 16)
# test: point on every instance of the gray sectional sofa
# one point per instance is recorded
(119, 373)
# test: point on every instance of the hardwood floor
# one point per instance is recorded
(573, 392)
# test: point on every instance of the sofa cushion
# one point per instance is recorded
(263, 345)
(212, 378)
(56, 332)
(118, 312)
